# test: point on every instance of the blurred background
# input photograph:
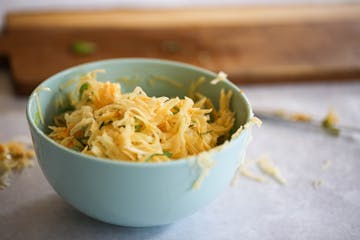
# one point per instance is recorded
(299, 58)
(252, 41)
(7, 5)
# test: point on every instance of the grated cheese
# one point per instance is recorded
(220, 77)
(268, 167)
(205, 162)
(297, 117)
(36, 94)
(244, 171)
(165, 79)
(253, 121)
(329, 123)
(14, 157)
(194, 86)
(135, 127)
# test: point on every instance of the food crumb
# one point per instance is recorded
(316, 184)
(244, 171)
(326, 165)
(329, 123)
(14, 157)
(269, 168)
(296, 117)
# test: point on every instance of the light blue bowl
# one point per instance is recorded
(136, 194)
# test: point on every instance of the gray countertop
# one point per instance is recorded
(30, 209)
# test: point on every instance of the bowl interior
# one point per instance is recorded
(155, 77)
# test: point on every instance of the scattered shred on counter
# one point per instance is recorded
(329, 123)
(252, 121)
(244, 171)
(269, 168)
(326, 165)
(297, 117)
(316, 183)
(14, 157)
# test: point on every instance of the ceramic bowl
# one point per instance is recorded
(136, 194)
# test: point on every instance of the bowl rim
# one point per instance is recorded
(32, 124)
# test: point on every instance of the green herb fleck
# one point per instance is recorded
(329, 124)
(83, 47)
(69, 108)
(192, 124)
(104, 124)
(37, 119)
(168, 154)
(165, 153)
(83, 87)
(79, 146)
(138, 127)
(333, 131)
(211, 117)
(83, 140)
(175, 110)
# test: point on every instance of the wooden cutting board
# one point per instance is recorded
(252, 45)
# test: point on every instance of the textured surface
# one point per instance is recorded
(30, 209)
(253, 45)
(45, 5)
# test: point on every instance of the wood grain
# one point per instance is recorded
(249, 53)
(184, 18)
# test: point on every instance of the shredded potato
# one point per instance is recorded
(14, 157)
(135, 127)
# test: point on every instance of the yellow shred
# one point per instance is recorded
(296, 117)
(205, 162)
(220, 77)
(14, 157)
(136, 127)
(36, 94)
(194, 86)
(244, 171)
(329, 123)
(300, 117)
(165, 79)
(269, 168)
(331, 118)
(253, 121)
(123, 79)
(67, 84)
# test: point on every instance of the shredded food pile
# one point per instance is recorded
(133, 126)
(14, 157)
